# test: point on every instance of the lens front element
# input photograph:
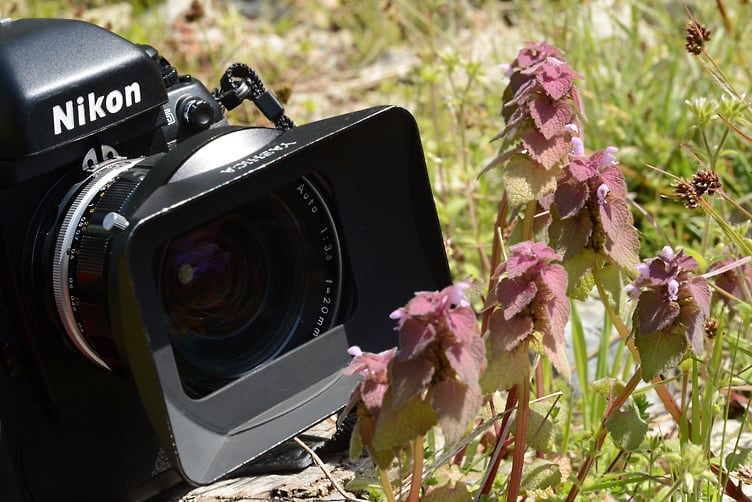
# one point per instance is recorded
(245, 287)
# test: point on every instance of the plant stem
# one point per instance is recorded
(529, 219)
(500, 440)
(520, 435)
(666, 398)
(417, 476)
(601, 434)
(386, 484)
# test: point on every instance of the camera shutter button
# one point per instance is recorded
(197, 113)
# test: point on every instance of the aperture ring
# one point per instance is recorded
(81, 247)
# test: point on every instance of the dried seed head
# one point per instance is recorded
(686, 193)
(706, 182)
(711, 328)
(697, 35)
(745, 474)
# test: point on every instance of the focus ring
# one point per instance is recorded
(88, 271)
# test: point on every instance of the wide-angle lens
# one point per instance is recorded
(243, 288)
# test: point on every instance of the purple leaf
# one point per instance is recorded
(558, 310)
(695, 329)
(521, 259)
(463, 323)
(517, 80)
(614, 178)
(456, 405)
(414, 337)
(577, 100)
(368, 363)
(550, 116)
(372, 394)
(555, 77)
(581, 169)
(700, 291)
(684, 262)
(467, 359)
(546, 151)
(615, 216)
(501, 159)
(535, 53)
(409, 378)
(623, 248)
(556, 352)
(660, 272)
(504, 335)
(515, 120)
(655, 312)
(555, 277)
(514, 297)
(571, 194)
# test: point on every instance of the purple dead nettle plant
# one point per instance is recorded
(672, 306)
(431, 379)
(367, 398)
(590, 211)
(530, 305)
(541, 110)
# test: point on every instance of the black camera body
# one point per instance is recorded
(177, 294)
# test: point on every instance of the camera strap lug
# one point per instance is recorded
(241, 82)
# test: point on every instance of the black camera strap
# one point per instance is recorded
(241, 82)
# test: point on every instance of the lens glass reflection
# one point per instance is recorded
(241, 289)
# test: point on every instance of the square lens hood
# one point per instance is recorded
(392, 242)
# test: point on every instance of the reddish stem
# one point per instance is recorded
(500, 441)
(601, 435)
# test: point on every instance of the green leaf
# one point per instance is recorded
(736, 460)
(660, 352)
(396, 426)
(526, 180)
(541, 474)
(446, 493)
(579, 271)
(364, 430)
(363, 485)
(611, 278)
(356, 445)
(627, 429)
(603, 386)
(506, 370)
(541, 434)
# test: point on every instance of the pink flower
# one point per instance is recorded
(601, 193)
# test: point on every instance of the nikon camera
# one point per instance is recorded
(177, 294)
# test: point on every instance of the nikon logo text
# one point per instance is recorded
(92, 107)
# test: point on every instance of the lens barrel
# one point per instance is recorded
(80, 254)
(236, 291)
